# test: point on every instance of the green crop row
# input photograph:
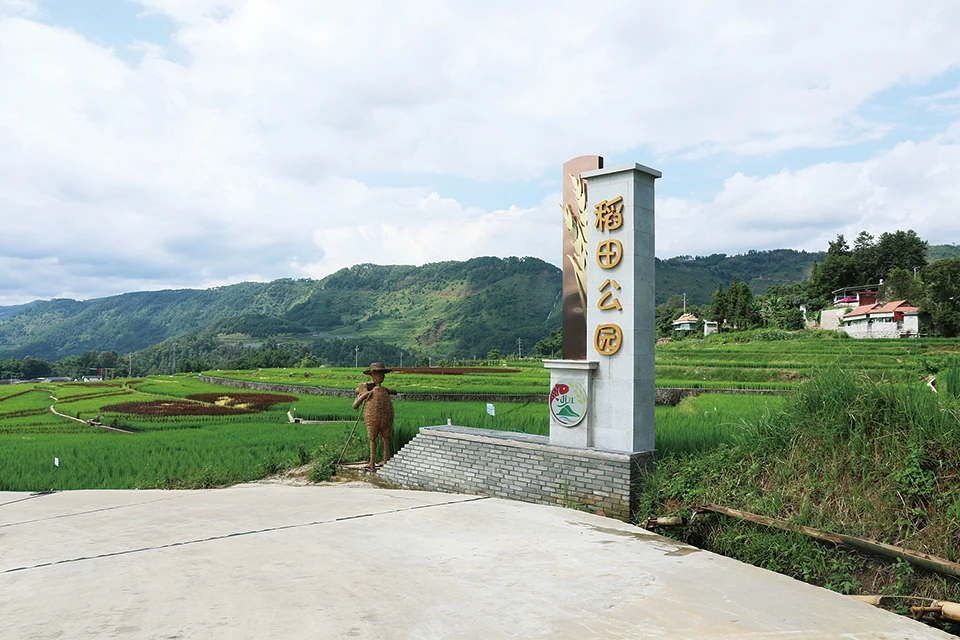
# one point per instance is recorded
(216, 455)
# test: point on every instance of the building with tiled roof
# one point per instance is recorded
(686, 322)
(896, 319)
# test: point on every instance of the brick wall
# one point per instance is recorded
(519, 467)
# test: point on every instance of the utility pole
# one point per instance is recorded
(174, 367)
(401, 359)
(684, 302)
(130, 366)
(519, 348)
(356, 356)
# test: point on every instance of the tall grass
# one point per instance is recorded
(845, 453)
(949, 379)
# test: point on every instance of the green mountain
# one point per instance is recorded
(444, 309)
(942, 252)
(699, 276)
(58, 328)
(448, 309)
(15, 309)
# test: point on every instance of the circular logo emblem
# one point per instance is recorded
(568, 403)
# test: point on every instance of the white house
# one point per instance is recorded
(895, 319)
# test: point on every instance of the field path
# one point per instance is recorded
(91, 423)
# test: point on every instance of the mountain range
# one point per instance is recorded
(448, 309)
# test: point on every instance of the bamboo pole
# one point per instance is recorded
(925, 560)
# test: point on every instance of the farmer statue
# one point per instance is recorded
(378, 411)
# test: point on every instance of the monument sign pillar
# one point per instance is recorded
(621, 306)
(615, 381)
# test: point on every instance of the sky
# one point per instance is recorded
(156, 144)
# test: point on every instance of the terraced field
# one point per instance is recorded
(180, 432)
(715, 363)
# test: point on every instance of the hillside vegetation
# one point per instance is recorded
(699, 276)
(449, 307)
(442, 310)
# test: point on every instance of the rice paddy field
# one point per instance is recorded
(718, 362)
(175, 431)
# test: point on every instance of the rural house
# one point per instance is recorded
(844, 301)
(891, 320)
(710, 326)
(686, 322)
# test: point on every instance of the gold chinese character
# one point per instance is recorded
(607, 339)
(609, 214)
(609, 253)
(605, 304)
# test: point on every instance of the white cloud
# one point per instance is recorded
(911, 186)
(243, 154)
(19, 8)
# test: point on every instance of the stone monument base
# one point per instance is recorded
(521, 467)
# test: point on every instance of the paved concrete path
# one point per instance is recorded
(353, 561)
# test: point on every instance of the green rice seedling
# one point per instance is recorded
(707, 421)
(208, 456)
(949, 379)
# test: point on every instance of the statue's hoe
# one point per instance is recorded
(347, 444)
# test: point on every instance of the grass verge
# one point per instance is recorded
(845, 454)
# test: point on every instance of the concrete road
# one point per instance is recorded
(353, 561)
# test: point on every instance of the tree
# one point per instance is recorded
(865, 259)
(780, 306)
(718, 305)
(838, 247)
(552, 345)
(89, 360)
(743, 313)
(108, 359)
(941, 298)
(10, 368)
(666, 313)
(835, 272)
(900, 284)
(902, 250)
(792, 319)
(189, 365)
(35, 368)
(870, 261)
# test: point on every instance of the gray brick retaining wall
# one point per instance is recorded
(519, 467)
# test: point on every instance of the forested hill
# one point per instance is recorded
(450, 307)
(15, 309)
(699, 276)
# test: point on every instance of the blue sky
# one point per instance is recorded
(157, 144)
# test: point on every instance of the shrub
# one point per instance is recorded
(769, 335)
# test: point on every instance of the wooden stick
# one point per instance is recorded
(347, 444)
(925, 560)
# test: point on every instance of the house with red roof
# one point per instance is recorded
(895, 319)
